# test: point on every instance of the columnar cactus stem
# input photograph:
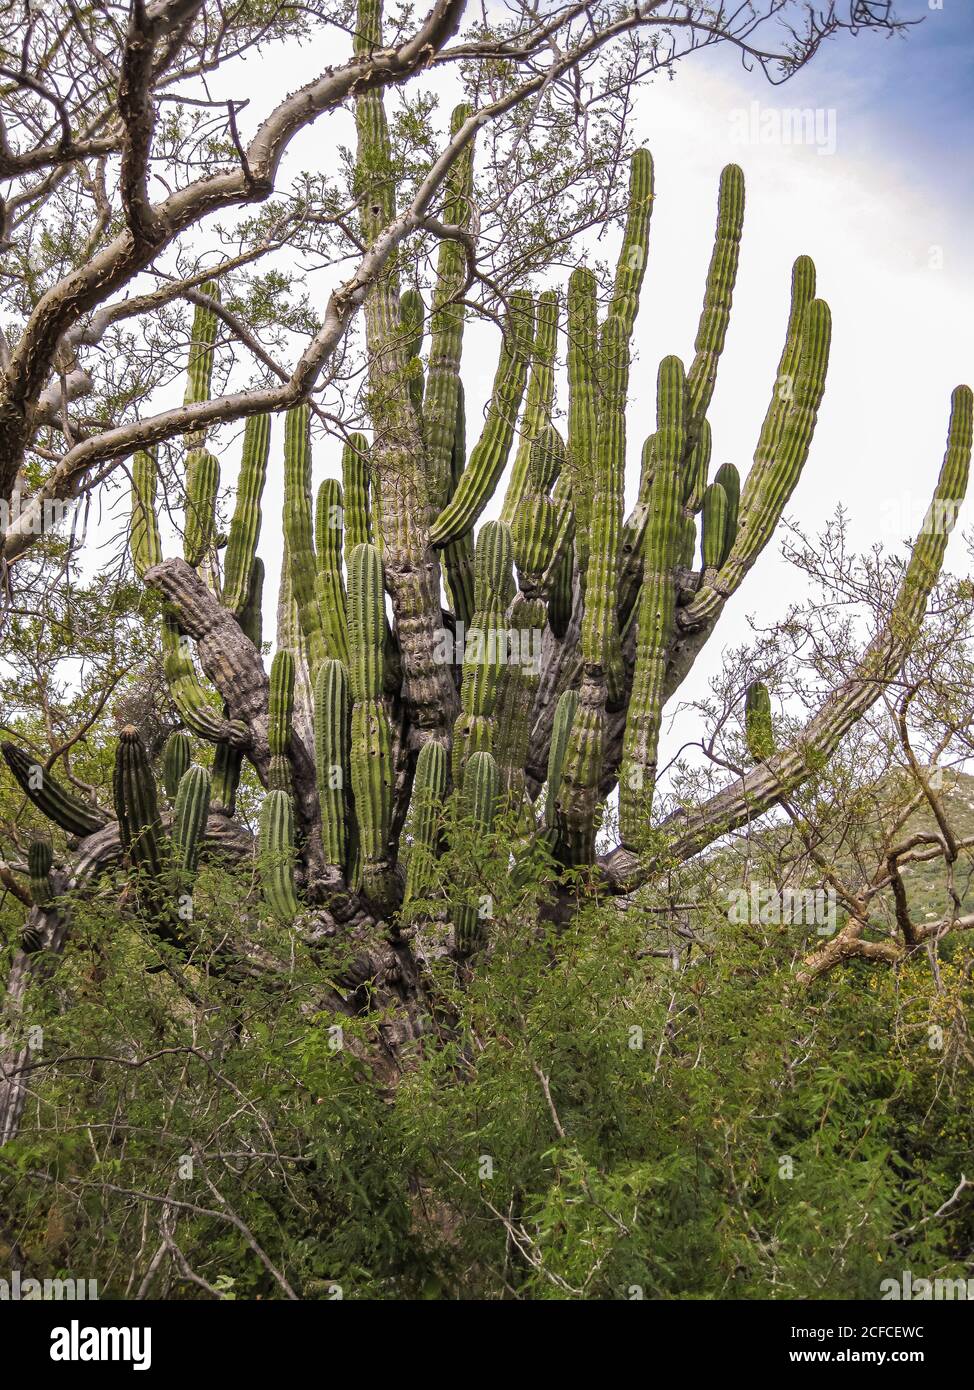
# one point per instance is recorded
(176, 758)
(412, 313)
(402, 500)
(276, 855)
(656, 607)
(712, 330)
(202, 486)
(331, 719)
(329, 584)
(425, 815)
(355, 487)
(47, 794)
(565, 712)
(485, 649)
(39, 861)
(583, 402)
(601, 648)
(538, 403)
(778, 462)
(194, 704)
(478, 806)
(246, 521)
(199, 368)
(713, 536)
(298, 532)
(758, 728)
(279, 716)
(458, 555)
(189, 822)
(730, 480)
(537, 522)
(136, 805)
(489, 455)
(144, 544)
(519, 685)
(371, 736)
(442, 399)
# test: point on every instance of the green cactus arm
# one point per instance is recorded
(176, 758)
(520, 680)
(489, 455)
(656, 605)
(443, 388)
(47, 794)
(538, 404)
(280, 709)
(485, 646)
(560, 597)
(581, 771)
(136, 803)
(329, 583)
(565, 712)
(372, 784)
(538, 522)
(748, 797)
(227, 765)
(425, 814)
(245, 523)
(202, 486)
(366, 623)
(276, 856)
(697, 469)
(189, 821)
(145, 546)
(715, 316)
(458, 555)
(412, 316)
(714, 531)
(298, 532)
(583, 403)
(199, 365)
(775, 471)
(355, 488)
(39, 861)
(196, 705)
(332, 714)
(730, 480)
(758, 728)
(478, 807)
(634, 252)
(601, 647)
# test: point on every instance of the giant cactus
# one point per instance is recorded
(369, 735)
